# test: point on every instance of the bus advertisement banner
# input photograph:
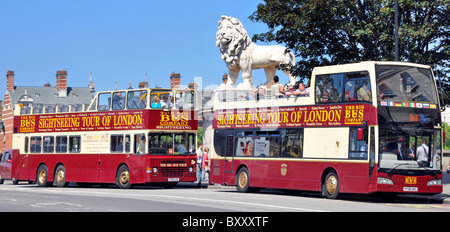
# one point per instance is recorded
(298, 116)
(108, 120)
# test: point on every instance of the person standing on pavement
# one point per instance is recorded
(205, 166)
(199, 153)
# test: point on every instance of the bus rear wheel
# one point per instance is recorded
(60, 176)
(330, 187)
(42, 176)
(123, 177)
(243, 180)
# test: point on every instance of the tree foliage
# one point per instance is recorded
(327, 32)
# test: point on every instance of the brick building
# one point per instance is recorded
(42, 99)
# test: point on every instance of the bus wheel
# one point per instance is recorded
(243, 180)
(123, 177)
(42, 176)
(330, 187)
(60, 176)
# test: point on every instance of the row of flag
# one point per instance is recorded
(409, 104)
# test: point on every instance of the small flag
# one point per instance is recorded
(384, 103)
(433, 106)
(398, 104)
(419, 105)
(391, 103)
(412, 104)
(425, 105)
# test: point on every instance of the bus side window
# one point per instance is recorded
(74, 144)
(118, 101)
(116, 143)
(127, 143)
(245, 143)
(358, 148)
(219, 146)
(61, 144)
(292, 142)
(139, 144)
(104, 101)
(49, 144)
(26, 144)
(36, 143)
(137, 99)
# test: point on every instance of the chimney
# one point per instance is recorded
(144, 84)
(175, 80)
(193, 86)
(10, 80)
(61, 83)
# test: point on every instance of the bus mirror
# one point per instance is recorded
(360, 134)
(443, 136)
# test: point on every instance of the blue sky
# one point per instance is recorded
(116, 40)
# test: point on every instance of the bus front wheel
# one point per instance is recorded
(123, 177)
(330, 186)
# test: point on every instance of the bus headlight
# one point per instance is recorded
(155, 169)
(382, 180)
(434, 182)
(191, 169)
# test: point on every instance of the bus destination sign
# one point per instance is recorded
(298, 116)
(108, 120)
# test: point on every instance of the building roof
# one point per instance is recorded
(49, 95)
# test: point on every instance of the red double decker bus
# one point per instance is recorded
(370, 127)
(125, 137)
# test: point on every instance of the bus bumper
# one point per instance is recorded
(409, 184)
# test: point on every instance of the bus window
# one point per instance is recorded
(139, 144)
(181, 144)
(36, 143)
(292, 142)
(61, 144)
(358, 148)
(161, 144)
(49, 144)
(137, 99)
(74, 144)
(357, 87)
(116, 143)
(118, 101)
(219, 146)
(185, 100)
(274, 144)
(244, 144)
(26, 144)
(329, 88)
(127, 143)
(159, 98)
(104, 101)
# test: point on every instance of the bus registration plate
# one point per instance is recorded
(410, 189)
(174, 179)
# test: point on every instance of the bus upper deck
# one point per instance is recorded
(130, 99)
(348, 83)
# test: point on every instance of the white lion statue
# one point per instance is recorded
(240, 53)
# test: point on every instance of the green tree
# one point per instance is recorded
(327, 32)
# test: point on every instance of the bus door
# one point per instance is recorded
(229, 153)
